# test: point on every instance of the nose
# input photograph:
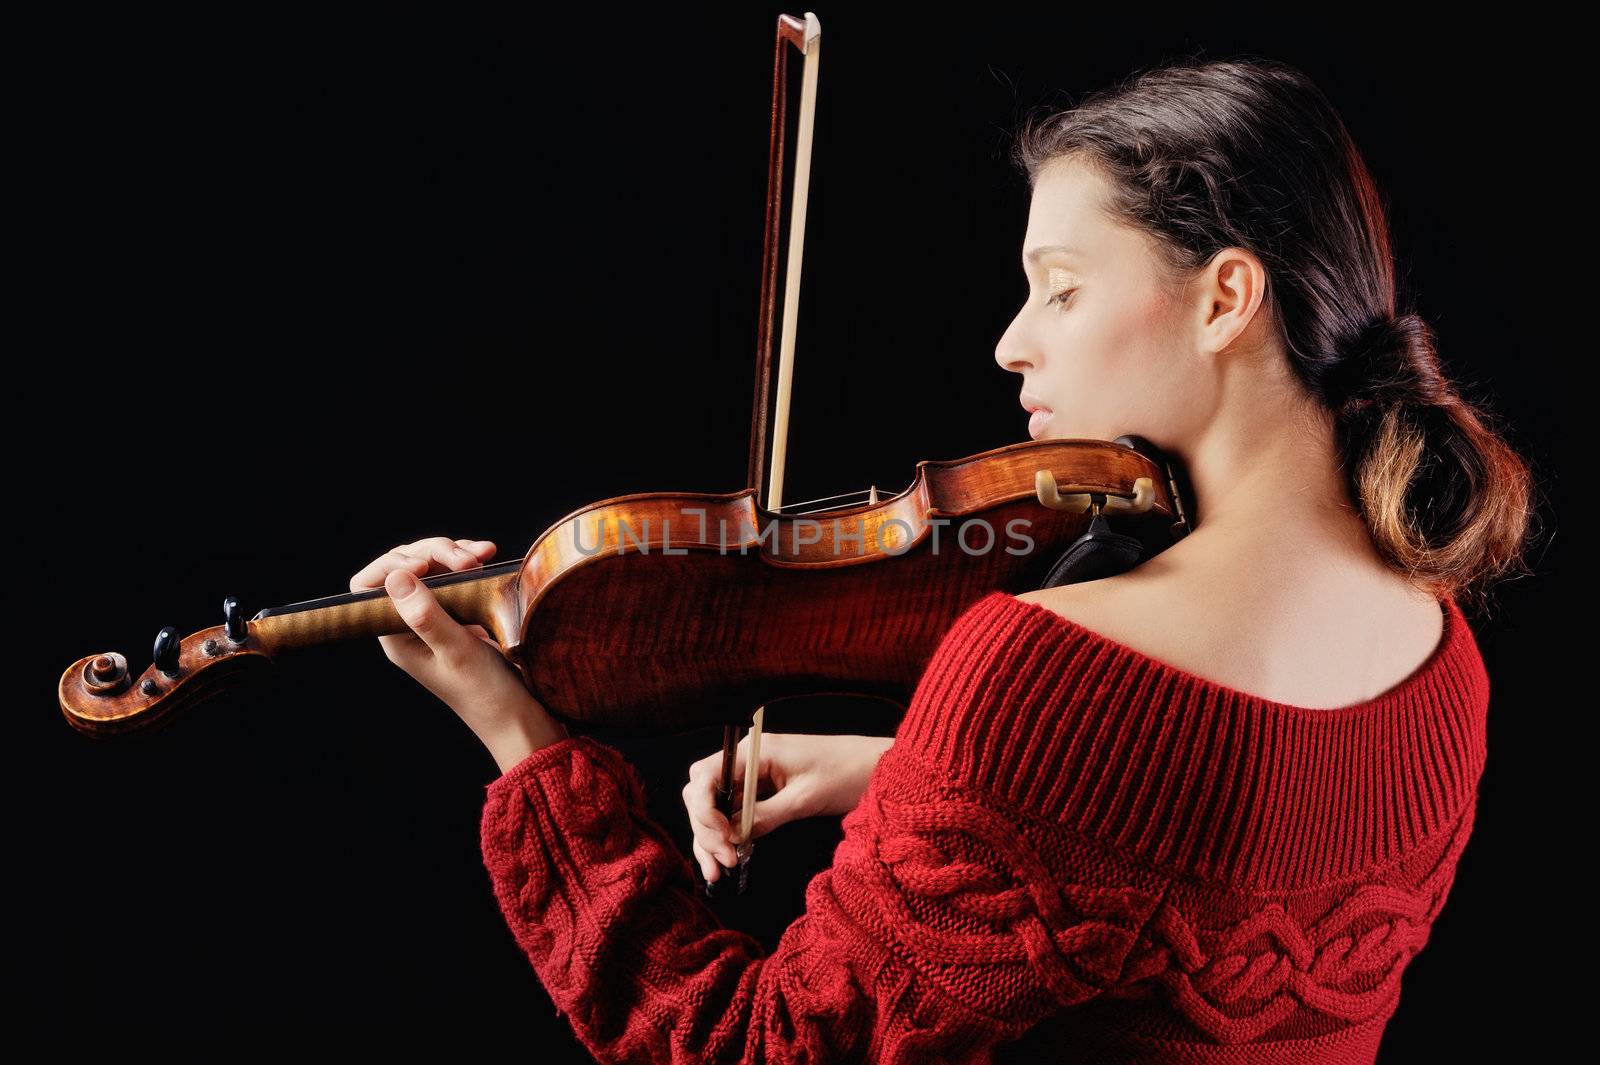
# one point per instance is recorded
(1010, 352)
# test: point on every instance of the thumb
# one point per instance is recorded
(419, 609)
(785, 805)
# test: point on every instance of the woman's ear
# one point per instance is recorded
(1228, 291)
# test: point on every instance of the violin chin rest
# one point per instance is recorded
(1100, 552)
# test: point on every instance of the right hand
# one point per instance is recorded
(807, 775)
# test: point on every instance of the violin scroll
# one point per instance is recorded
(98, 694)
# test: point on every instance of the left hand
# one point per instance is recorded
(461, 664)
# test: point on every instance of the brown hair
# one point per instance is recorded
(1248, 153)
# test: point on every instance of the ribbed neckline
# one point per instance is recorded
(1449, 646)
(1068, 724)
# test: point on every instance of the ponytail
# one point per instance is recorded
(1445, 499)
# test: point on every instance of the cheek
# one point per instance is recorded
(1149, 327)
(1122, 345)
(1109, 364)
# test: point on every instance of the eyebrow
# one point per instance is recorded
(1045, 249)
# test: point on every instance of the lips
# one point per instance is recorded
(1039, 415)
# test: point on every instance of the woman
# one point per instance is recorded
(1205, 810)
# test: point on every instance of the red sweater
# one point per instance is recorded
(1070, 845)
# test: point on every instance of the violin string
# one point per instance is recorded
(802, 513)
(787, 510)
(342, 598)
(788, 507)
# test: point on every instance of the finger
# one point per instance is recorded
(421, 611)
(711, 828)
(406, 645)
(483, 549)
(785, 805)
(710, 767)
(443, 551)
(709, 869)
(700, 794)
(705, 817)
(372, 576)
(437, 554)
(407, 651)
(716, 849)
(706, 771)
(483, 634)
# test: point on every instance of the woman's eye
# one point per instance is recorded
(1061, 296)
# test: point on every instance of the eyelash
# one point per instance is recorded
(1060, 296)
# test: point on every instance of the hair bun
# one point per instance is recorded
(1390, 361)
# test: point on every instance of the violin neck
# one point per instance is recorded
(473, 597)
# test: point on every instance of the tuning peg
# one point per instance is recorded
(166, 653)
(233, 616)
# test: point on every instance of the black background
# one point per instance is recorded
(306, 289)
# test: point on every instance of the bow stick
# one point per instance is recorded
(806, 35)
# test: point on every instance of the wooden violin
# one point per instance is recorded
(662, 612)
(667, 611)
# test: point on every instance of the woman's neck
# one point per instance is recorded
(1270, 482)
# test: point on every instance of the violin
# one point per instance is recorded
(659, 612)
(667, 611)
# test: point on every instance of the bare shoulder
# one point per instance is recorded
(1130, 608)
(1316, 643)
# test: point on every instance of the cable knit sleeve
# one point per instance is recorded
(942, 928)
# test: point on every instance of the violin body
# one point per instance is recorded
(847, 601)
(662, 612)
